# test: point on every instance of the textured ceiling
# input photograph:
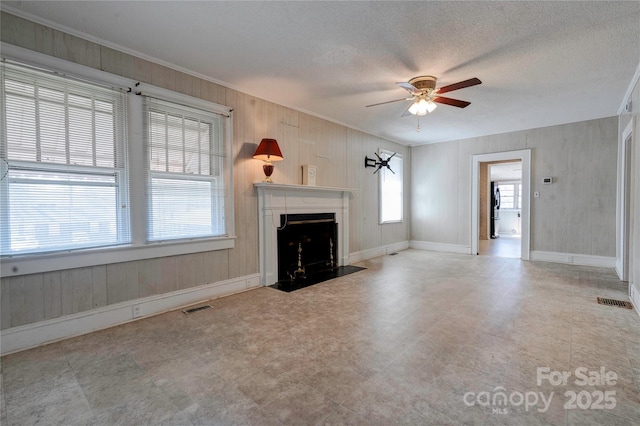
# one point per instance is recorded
(541, 63)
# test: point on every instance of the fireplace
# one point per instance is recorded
(292, 202)
(307, 246)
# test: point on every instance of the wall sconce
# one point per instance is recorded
(268, 151)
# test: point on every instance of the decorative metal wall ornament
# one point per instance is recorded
(379, 163)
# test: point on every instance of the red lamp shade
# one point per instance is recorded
(268, 151)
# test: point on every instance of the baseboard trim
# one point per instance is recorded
(29, 336)
(377, 251)
(573, 259)
(442, 247)
(634, 297)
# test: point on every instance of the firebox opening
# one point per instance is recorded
(307, 245)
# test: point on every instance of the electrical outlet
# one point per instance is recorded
(136, 311)
(570, 259)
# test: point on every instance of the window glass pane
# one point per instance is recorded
(176, 163)
(507, 195)
(51, 95)
(205, 148)
(180, 209)
(80, 137)
(391, 191)
(104, 139)
(157, 141)
(174, 137)
(205, 162)
(21, 134)
(52, 130)
(61, 211)
(191, 146)
(78, 102)
(19, 88)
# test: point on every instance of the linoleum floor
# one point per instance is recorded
(418, 338)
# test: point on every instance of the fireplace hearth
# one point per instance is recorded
(340, 271)
(307, 250)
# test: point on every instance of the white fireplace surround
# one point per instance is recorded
(277, 199)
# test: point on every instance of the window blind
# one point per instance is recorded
(63, 143)
(185, 150)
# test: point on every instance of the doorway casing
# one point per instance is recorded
(623, 216)
(523, 155)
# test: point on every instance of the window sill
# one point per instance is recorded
(32, 264)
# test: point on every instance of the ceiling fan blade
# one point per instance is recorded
(410, 88)
(388, 102)
(461, 85)
(452, 102)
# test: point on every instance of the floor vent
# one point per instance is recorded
(613, 302)
(196, 309)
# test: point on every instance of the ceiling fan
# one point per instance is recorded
(425, 95)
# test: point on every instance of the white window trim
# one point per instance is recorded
(139, 249)
(138, 181)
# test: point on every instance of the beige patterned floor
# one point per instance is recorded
(505, 246)
(417, 338)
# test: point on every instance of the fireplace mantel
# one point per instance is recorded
(277, 199)
(287, 187)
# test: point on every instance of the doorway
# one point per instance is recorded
(522, 156)
(500, 209)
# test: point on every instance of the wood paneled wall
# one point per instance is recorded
(337, 151)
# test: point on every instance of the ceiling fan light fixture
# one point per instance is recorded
(422, 107)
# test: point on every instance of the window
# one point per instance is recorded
(391, 195)
(64, 182)
(185, 163)
(86, 163)
(510, 195)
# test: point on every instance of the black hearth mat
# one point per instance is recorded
(316, 278)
